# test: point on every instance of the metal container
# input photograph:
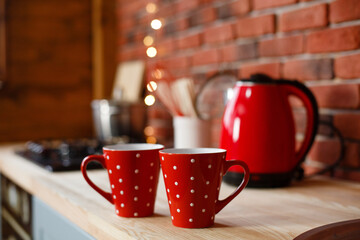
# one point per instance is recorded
(113, 119)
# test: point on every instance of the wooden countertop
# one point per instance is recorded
(282, 213)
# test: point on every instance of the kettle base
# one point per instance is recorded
(272, 180)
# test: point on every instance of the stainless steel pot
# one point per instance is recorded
(113, 119)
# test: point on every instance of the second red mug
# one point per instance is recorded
(192, 180)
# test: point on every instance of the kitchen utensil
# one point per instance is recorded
(215, 93)
(133, 171)
(192, 179)
(113, 119)
(164, 93)
(258, 127)
(184, 95)
(163, 80)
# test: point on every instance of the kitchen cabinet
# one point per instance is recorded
(48, 224)
(15, 211)
(27, 217)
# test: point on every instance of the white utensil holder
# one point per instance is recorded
(190, 132)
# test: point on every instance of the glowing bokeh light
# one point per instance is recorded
(151, 52)
(151, 8)
(148, 41)
(149, 100)
(149, 131)
(158, 73)
(156, 24)
(151, 86)
(151, 139)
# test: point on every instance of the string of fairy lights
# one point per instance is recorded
(151, 52)
(155, 74)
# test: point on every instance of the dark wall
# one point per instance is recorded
(48, 85)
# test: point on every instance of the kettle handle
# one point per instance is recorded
(306, 96)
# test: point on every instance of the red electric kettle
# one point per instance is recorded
(258, 128)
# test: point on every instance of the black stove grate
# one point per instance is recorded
(62, 155)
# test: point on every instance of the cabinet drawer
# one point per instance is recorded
(50, 225)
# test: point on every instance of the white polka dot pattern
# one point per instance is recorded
(192, 200)
(133, 182)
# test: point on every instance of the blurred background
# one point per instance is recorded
(56, 57)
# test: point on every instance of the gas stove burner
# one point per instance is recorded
(64, 155)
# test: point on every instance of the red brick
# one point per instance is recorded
(337, 95)
(260, 4)
(202, 16)
(348, 124)
(139, 36)
(206, 1)
(299, 114)
(310, 69)
(255, 26)
(271, 69)
(127, 23)
(182, 24)
(235, 52)
(177, 62)
(140, 51)
(237, 8)
(131, 7)
(240, 7)
(310, 17)
(325, 150)
(158, 113)
(126, 54)
(282, 46)
(344, 10)
(165, 47)
(352, 155)
(167, 30)
(190, 41)
(219, 34)
(130, 53)
(334, 40)
(144, 19)
(203, 57)
(186, 5)
(165, 11)
(347, 66)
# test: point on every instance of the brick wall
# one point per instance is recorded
(316, 42)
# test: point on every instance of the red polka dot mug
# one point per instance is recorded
(133, 171)
(192, 179)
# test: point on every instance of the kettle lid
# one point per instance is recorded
(260, 78)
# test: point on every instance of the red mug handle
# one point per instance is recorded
(101, 160)
(220, 204)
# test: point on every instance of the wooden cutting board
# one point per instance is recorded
(346, 230)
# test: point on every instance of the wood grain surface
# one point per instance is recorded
(282, 213)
